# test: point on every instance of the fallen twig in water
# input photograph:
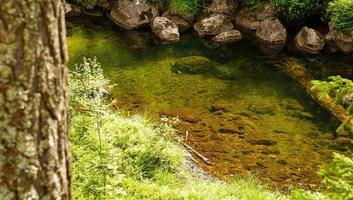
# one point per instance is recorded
(203, 158)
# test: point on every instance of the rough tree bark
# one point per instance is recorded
(34, 160)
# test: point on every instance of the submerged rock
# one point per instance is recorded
(271, 36)
(193, 65)
(309, 41)
(262, 109)
(165, 29)
(213, 25)
(132, 14)
(227, 7)
(228, 37)
(341, 40)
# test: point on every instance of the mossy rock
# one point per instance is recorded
(193, 65)
(226, 72)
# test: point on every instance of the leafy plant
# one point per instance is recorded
(337, 88)
(341, 15)
(337, 179)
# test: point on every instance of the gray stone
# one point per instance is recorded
(132, 14)
(213, 25)
(271, 36)
(165, 29)
(228, 37)
(309, 41)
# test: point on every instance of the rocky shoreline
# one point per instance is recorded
(221, 22)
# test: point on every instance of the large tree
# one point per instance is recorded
(34, 160)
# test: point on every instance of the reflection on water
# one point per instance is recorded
(257, 121)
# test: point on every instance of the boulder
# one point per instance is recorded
(193, 65)
(213, 25)
(248, 20)
(271, 36)
(165, 29)
(309, 41)
(105, 4)
(132, 14)
(228, 36)
(227, 7)
(72, 10)
(343, 42)
(182, 24)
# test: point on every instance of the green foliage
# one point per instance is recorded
(89, 4)
(297, 9)
(106, 146)
(185, 6)
(341, 15)
(337, 179)
(128, 157)
(250, 3)
(180, 6)
(336, 87)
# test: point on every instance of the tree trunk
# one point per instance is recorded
(34, 158)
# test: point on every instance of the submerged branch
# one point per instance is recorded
(300, 74)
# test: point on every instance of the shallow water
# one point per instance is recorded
(259, 122)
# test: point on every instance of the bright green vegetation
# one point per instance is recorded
(180, 6)
(337, 180)
(337, 88)
(89, 4)
(297, 9)
(341, 15)
(128, 157)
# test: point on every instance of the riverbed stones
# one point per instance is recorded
(165, 29)
(271, 36)
(213, 25)
(309, 41)
(228, 36)
(227, 7)
(193, 65)
(342, 41)
(132, 14)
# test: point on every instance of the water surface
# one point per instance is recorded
(258, 122)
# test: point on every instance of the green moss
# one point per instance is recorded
(293, 10)
(193, 65)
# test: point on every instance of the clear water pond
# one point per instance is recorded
(251, 118)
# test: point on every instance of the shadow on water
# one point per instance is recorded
(257, 121)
